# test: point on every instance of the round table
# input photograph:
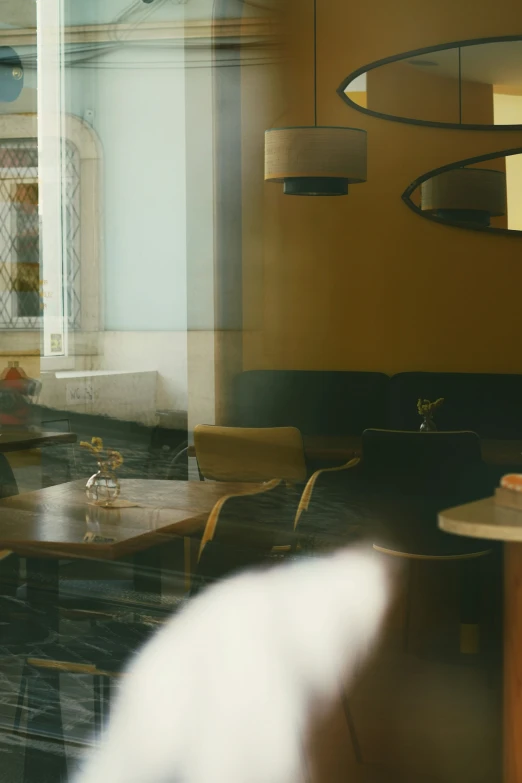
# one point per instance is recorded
(486, 519)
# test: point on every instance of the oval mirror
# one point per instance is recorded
(468, 84)
(483, 194)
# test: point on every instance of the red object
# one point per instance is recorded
(15, 389)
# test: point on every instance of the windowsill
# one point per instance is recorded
(98, 373)
(28, 341)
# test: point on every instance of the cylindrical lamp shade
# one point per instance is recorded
(315, 161)
(466, 195)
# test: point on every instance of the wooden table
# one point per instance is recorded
(484, 519)
(51, 523)
(20, 440)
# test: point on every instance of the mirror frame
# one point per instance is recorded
(406, 196)
(414, 53)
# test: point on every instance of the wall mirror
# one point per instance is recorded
(468, 84)
(483, 193)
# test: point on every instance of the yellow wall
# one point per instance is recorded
(362, 283)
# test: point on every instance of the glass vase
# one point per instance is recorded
(428, 425)
(103, 488)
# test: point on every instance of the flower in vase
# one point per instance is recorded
(108, 458)
(427, 408)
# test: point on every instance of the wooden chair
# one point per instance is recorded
(408, 477)
(328, 515)
(250, 454)
(245, 530)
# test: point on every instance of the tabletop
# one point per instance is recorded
(54, 521)
(19, 440)
(483, 519)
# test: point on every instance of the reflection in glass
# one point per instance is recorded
(109, 226)
(465, 195)
(475, 84)
(486, 195)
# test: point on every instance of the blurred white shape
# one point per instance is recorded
(227, 690)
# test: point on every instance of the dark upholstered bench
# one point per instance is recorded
(316, 402)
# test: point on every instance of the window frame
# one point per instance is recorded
(84, 340)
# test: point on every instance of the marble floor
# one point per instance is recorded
(425, 714)
(415, 716)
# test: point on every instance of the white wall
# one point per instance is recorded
(152, 107)
(135, 101)
(134, 97)
(165, 352)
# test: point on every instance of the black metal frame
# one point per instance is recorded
(406, 196)
(414, 53)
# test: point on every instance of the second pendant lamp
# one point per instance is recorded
(315, 160)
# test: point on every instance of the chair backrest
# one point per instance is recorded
(407, 478)
(250, 454)
(329, 512)
(446, 466)
(242, 529)
(393, 452)
(317, 402)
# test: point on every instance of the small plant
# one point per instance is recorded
(105, 457)
(427, 408)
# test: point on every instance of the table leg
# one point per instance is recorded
(43, 686)
(42, 589)
(147, 571)
(469, 603)
(45, 762)
(513, 663)
(190, 559)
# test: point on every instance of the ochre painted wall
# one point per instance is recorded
(362, 283)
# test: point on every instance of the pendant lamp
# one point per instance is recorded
(465, 195)
(315, 160)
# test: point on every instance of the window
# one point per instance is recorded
(28, 298)
(22, 294)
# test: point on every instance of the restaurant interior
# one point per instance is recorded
(280, 320)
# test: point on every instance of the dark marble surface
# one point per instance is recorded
(56, 709)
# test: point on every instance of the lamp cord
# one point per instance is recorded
(315, 63)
